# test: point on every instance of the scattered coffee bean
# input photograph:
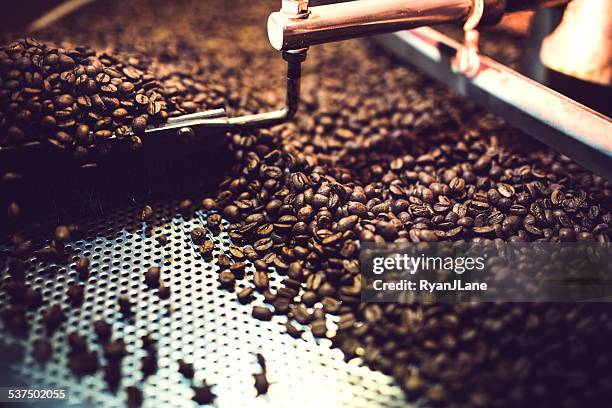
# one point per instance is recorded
(198, 235)
(261, 383)
(186, 369)
(33, 298)
(245, 295)
(227, 279)
(112, 374)
(163, 292)
(82, 267)
(15, 320)
(103, 330)
(262, 313)
(62, 233)
(203, 395)
(83, 362)
(125, 306)
(261, 361)
(186, 207)
(114, 350)
(77, 342)
(53, 317)
(149, 364)
(152, 276)
(146, 213)
(293, 331)
(76, 294)
(134, 396)
(261, 280)
(42, 350)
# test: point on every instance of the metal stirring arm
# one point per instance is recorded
(189, 123)
(186, 126)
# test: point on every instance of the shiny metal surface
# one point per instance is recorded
(207, 327)
(581, 45)
(565, 125)
(335, 22)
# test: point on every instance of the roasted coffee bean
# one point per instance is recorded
(281, 305)
(76, 294)
(53, 317)
(227, 279)
(83, 362)
(42, 350)
(62, 233)
(209, 204)
(146, 214)
(309, 298)
(263, 244)
(214, 222)
(237, 253)
(245, 295)
(139, 125)
(114, 350)
(134, 396)
(262, 313)
(82, 267)
(203, 395)
(261, 383)
(198, 235)
(33, 298)
(301, 315)
(77, 342)
(261, 280)
(206, 249)
(186, 369)
(318, 328)
(186, 207)
(261, 361)
(125, 306)
(223, 261)
(293, 331)
(112, 374)
(103, 330)
(331, 305)
(152, 276)
(163, 292)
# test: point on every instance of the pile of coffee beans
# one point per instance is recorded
(75, 98)
(378, 153)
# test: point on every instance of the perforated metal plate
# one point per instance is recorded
(206, 326)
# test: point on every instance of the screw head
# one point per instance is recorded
(295, 7)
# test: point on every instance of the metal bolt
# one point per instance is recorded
(295, 8)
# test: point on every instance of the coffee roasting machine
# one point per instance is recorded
(569, 37)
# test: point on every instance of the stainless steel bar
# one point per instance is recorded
(57, 13)
(259, 120)
(565, 125)
(209, 114)
(335, 22)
